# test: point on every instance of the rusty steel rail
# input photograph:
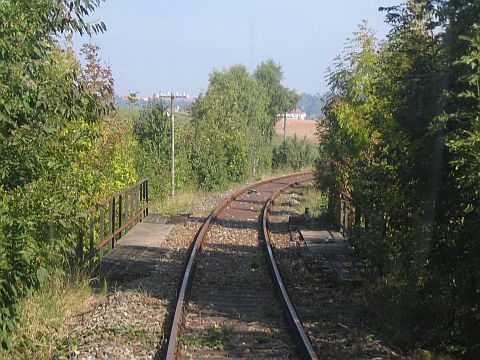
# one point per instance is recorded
(295, 324)
(195, 249)
(108, 220)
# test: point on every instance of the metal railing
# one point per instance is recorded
(352, 214)
(365, 225)
(106, 222)
(349, 214)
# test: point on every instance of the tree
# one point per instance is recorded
(402, 138)
(312, 105)
(132, 98)
(152, 131)
(97, 77)
(232, 125)
(280, 99)
(47, 120)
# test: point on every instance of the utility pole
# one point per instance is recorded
(172, 97)
(284, 127)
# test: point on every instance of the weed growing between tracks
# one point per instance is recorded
(216, 338)
(126, 334)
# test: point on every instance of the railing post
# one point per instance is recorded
(126, 205)
(102, 229)
(92, 232)
(132, 203)
(342, 216)
(140, 190)
(357, 216)
(146, 196)
(144, 202)
(137, 200)
(120, 203)
(80, 255)
(112, 220)
(346, 218)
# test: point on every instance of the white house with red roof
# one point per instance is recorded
(296, 114)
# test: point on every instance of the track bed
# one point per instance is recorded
(233, 310)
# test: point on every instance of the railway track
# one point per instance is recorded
(227, 304)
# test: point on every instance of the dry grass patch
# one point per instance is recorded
(182, 200)
(44, 316)
(187, 198)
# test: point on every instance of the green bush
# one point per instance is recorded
(229, 123)
(60, 144)
(152, 130)
(402, 138)
(293, 153)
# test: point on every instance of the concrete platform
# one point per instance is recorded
(145, 234)
(319, 240)
(335, 249)
(136, 253)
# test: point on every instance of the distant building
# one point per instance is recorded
(296, 114)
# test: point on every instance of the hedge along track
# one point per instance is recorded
(226, 305)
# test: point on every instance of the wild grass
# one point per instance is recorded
(128, 112)
(216, 337)
(271, 173)
(182, 118)
(44, 314)
(314, 200)
(186, 198)
(182, 200)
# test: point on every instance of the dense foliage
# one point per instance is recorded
(402, 139)
(233, 123)
(152, 132)
(58, 145)
(294, 153)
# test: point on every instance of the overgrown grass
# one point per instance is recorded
(182, 119)
(271, 173)
(182, 201)
(128, 112)
(186, 198)
(44, 314)
(314, 200)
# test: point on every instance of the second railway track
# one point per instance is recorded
(227, 305)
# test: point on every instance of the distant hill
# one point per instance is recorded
(312, 105)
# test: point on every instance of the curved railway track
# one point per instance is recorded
(226, 305)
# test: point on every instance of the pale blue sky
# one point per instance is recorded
(162, 45)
